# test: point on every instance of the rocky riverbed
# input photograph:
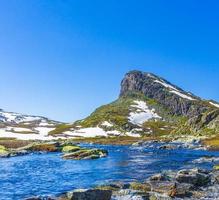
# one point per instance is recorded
(185, 184)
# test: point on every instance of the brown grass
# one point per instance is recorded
(122, 140)
(212, 143)
(13, 144)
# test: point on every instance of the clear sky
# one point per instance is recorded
(64, 58)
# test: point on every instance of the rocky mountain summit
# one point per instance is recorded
(199, 113)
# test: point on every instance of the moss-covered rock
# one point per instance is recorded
(140, 186)
(86, 154)
(216, 167)
(70, 148)
(3, 150)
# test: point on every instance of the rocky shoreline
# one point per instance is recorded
(169, 185)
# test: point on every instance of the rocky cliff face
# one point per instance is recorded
(174, 98)
(200, 113)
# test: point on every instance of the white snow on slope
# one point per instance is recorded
(165, 85)
(42, 135)
(16, 117)
(182, 95)
(174, 90)
(106, 123)
(87, 132)
(142, 114)
(97, 131)
(214, 104)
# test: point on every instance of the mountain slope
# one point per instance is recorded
(15, 125)
(150, 105)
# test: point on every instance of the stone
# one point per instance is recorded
(158, 177)
(195, 177)
(90, 194)
(86, 154)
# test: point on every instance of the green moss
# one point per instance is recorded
(3, 150)
(140, 186)
(158, 128)
(116, 113)
(86, 154)
(216, 167)
(70, 148)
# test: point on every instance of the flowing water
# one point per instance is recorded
(49, 174)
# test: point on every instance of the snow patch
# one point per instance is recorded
(16, 117)
(143, 113)
(175, 90)
(87, 132)
(182, 95)
(106, 123)
(214, 104)
(42, 135)
(165, 85)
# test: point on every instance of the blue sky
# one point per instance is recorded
(62, 58)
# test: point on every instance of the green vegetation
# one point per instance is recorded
(115, 113)
(70, 148)
(3, 150)
(140, 186)
(158, 128)
(216, 167)
(86, 154)
(60, 129)
(212, 143)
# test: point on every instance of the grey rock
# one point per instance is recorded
(90, 194)
(196, 177)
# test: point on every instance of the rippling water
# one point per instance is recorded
(48, 174)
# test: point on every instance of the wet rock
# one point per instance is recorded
(158, 177)
(70, 148)
(90, 194)
(4, 152)
(128, 194)
(164, 187)
(86, 154)
(157, 196)
(167, 147)
(146, 187)
(195, 177)
(139, 143)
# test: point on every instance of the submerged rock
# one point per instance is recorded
(127, 194)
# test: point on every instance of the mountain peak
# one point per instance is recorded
(155, 87)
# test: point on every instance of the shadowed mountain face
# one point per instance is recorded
(174, 98)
